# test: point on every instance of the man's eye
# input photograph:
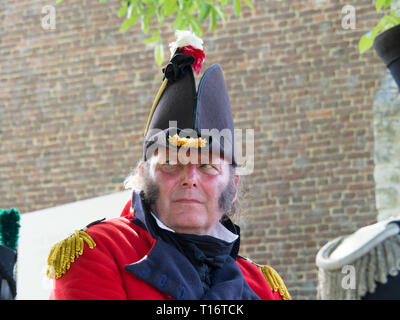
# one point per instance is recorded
(169, 166)
(209, 169)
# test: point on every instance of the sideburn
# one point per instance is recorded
(225, 201)
(150, 192)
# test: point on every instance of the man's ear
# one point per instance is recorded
(141, 168)
(235, 183)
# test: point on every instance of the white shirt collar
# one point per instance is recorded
(220, 232)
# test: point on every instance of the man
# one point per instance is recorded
(174, 239)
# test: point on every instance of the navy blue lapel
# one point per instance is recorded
(229, 284)
(137, 205)
(169, 271)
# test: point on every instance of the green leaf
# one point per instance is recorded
(181, 4)
(250, 4)
(180, 21)
(151, 10)
(170, 7)
(129, 22)
(223, 2)
(160, 17)
(59, 1)
(219, 12)
(395, 20)
(204, 11)
(122, 11)
(238, 7)
(366, 42)
(146, 24)
(379, 4)
(177, 20)
(196, 25)
(213, 20)
(125, 25)
(388, 3)
(151, 39)
(383, 24)
(159, 53)
(190, 7)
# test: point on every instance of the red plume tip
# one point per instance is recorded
(198, 55)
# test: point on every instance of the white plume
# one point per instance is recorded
(185, 38)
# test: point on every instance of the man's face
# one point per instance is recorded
(189, 198)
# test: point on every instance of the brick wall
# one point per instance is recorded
(74, 102)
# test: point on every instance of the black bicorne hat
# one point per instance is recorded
(387, 46)
(182, 116)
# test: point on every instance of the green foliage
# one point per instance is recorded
(187, 15)
(386, 22)
(9, 228)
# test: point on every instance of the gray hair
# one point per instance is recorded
(135, 180)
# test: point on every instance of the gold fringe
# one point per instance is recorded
(187, 142)
(275, 281)
(63, 253)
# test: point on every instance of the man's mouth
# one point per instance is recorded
(188, 201)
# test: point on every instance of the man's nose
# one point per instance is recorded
(189, 176)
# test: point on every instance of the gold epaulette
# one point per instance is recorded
(63, 253)
(275, 281)
(273, 278)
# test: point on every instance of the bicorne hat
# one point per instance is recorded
(183, 116)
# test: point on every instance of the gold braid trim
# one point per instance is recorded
(63, 253)
(275, 281)
(153, 108)
(187, 142)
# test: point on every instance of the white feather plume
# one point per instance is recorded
(185, 38)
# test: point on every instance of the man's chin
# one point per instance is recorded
(189, 222)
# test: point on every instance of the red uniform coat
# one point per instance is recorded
(108, 270)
